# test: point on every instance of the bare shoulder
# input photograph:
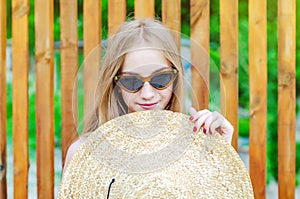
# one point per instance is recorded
(72, 150)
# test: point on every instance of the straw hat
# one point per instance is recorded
(154, 154)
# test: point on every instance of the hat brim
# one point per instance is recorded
(155, 154)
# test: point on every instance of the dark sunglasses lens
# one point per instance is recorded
(161, 80)
(131, 83)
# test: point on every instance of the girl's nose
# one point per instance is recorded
(147, 91)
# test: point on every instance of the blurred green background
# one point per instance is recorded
(272, 165)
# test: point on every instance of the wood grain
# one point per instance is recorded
(92, 34)
(229, 64)
(143, 9)
(20, 65)
(69, 66)
(171, 18)
(258, 95)
(286, 98)
(3, 127)
(116, 15)
(200, 20)
(44, 49)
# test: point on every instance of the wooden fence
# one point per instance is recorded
(199, 21)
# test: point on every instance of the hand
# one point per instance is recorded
(212, 122)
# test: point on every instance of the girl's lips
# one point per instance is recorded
(148, 106)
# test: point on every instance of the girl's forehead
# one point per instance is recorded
(144, 61)
(146, 71)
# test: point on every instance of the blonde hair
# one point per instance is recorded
(108, 102)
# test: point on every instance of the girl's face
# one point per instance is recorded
(144, 63)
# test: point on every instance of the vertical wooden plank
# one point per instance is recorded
(258, 94)
(69, 65)
(92, 34)
(116, 15)
(171, 17)
(229, 64)
(200, 52)
(3, 166)
(144, 9)
(20, 65)
(286, 97)
(44, 97)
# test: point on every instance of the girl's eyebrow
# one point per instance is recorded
(133, 73)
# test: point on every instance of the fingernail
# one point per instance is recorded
(204, 130)
(191, 118)
(195, 129)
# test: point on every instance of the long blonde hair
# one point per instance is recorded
(109, 103)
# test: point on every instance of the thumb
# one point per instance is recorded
(192, 111)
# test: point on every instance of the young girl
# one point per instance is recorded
(142, 70)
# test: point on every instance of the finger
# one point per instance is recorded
(201, 120)
(226, 128)
(196, 115)
(216, 125)
(213, 117)
(192, 112)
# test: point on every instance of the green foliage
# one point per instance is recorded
(9, 110)
(31, 113)
(185, 17)
(244, 125)
(297, 163)
(57, 117)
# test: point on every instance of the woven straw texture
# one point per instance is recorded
(154, 154)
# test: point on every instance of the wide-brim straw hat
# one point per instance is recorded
(155, 154)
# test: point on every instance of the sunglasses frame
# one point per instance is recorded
(174, 73)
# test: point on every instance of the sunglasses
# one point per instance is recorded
(159, 81)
